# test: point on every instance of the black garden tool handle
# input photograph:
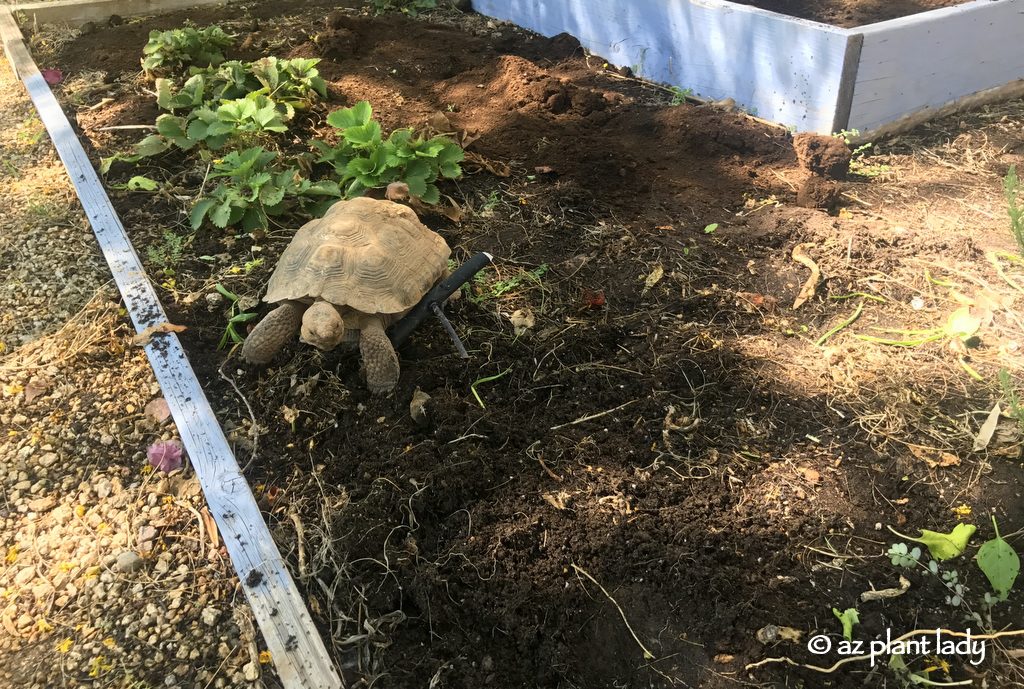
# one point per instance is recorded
(401, 330)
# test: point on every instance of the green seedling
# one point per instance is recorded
(236, 317)
(900, 556)
(1011, 189)
(678, 96)
(167, 254)
(363, 159)
(499, 288)
(847, 618)
(943, 546)
(1000, 563)
(710, 229)
(481, 381)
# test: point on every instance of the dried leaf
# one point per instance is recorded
(811, 285)
(165, 455)
(451, 210)
(934, 458)
(440, 123)
(522, 320)
(544, 170)
(211, 527)
(158, 410)
(146, 336)
(885, 594)
(35, 388)
(418, 406)
(654, 277)
(474, 162)
(559, 500)
(987, 429)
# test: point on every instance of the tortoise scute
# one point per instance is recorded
(373, 256)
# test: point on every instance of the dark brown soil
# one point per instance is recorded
(850, 13)
(455, 546)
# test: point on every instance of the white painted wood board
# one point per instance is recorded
(298, 652)
(78, 12)
(778, 68)
(926, 61)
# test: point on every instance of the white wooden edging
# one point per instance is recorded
(298, 652)
(77, 12)
(930, 60)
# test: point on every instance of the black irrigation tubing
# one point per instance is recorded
(298, 652)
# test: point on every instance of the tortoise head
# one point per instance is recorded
(322, 326)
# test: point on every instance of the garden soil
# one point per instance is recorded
(663, 460)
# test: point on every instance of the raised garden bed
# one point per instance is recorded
(801, 74)
(662, 423)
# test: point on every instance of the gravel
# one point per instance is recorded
(105, 580)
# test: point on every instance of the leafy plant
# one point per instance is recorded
(363, 159)
(847, 618)
(236, 316)
(678, 95)
(485, 288)
(1000, 563)
(167, 254)
(296, 83)
(1011, 189)
(252, 190)
(943, 546)
(410, 7)
(174, 49)
(900, 556)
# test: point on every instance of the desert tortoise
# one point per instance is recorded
(346, 277)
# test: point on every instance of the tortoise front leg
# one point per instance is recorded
(272, 333)
(379, 357)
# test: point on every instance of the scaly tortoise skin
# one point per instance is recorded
(346, 277)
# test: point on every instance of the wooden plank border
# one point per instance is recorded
(78, 12)
(298, 652)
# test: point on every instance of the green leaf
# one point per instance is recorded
(199, 212)
(358, 115)
(943, 546)
(848, 618)
(150, 146)
(221, 215)
(431, 195)
(142, 183)
(1000, 563)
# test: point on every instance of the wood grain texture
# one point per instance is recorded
(927, 61)
(298, 652)
(77, 12)
(779, 68)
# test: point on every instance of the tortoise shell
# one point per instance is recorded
(373, 256)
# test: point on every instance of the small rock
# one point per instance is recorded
(251, 671)
(210, 616)
(42, 504)
(128, 561)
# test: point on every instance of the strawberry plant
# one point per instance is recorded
(364, 159)
(172, 50)
(252, 190)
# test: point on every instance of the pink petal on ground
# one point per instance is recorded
(165, 455)
(52, 76)
(158, 410)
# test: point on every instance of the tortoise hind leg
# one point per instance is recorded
(379, 357)
(273, 332)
